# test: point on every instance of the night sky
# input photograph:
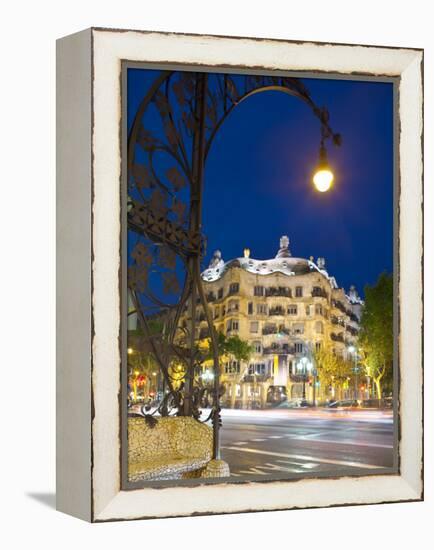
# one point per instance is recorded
(258, 177)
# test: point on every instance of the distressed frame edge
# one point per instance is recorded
(73, 275)
(413, 491)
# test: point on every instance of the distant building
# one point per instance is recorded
(287, 308)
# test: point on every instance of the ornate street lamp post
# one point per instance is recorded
(165, 176)
(305, 366)
(314, 375)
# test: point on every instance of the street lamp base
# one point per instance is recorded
(216, 468)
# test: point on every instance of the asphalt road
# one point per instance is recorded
(257, 444)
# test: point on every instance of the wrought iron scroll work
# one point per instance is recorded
(165, 180)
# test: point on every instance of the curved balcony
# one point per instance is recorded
(339, 305)
(353, 317)
(282, 291)
(318, 292)
(278, 310)
(270, 329)
(279, 349)
(252, 378)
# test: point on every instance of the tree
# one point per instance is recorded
(376, 331)
(332, 369)
(232, 348)
(239, 349)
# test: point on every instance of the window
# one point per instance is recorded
(276, 310)
(258, 291)
(292, 310)
(318, 309)
(319, 328)
(234, 288)
(317, 346)
(299, 291)
(261, 309)
(289, 367)
(257, 346)
(298, 347)
(250, 308)
(233, 305)
(233, 367)
(220, 293)
(223, 311)
(256, 368)
(232, 324)
(298, 328)
(216, 312)
(254, 326)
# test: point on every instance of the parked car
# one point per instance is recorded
(344, 404)
(294, 404)
(388, 402)
(385, 403)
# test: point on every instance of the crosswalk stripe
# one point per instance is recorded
(307, 465)
(252, 471)
(306, 458)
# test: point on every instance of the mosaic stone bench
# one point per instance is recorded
(175, 448)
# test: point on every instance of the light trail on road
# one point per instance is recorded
(285, 442)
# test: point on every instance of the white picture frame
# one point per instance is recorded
(89, 163)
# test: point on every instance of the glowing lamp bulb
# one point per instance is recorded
(323, 179)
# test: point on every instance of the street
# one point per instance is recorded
(325, 442)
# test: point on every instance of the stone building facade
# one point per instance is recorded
(286, 308)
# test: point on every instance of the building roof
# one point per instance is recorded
(283, 262)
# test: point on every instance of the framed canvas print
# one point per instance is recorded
(239, 274)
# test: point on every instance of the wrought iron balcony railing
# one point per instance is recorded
(279, 350)
(318, 292)
(252, 378)
(270, 329)
(353, 317)
(278, 291)
(339, 305)
(276, 311)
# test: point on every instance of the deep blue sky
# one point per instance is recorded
(258, 177)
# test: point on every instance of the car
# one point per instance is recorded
(296, 403)
(343, 404)
(388, 403)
